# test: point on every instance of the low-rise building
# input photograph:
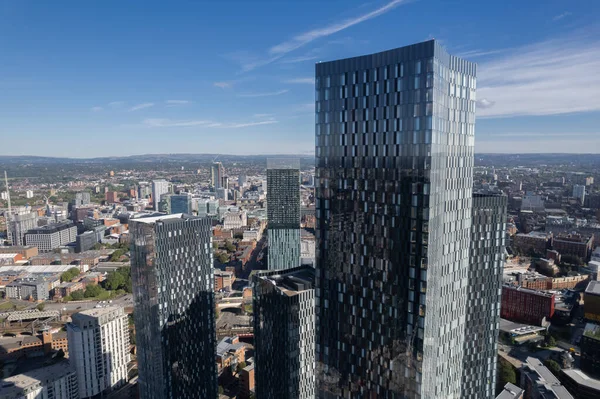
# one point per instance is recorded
(230, 352)
(246, 382)
(539, 382)
(523, 305)
(35, 289)
(531, 243)
(580, 385)
(223, 280)
(574, 244)
(27, 251)
(55, 381)
(47, 238)
(510, 391)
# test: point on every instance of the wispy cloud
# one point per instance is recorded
(262, 115)
(96, 109)
(223, 85)
(308, 81)
(307, 37)
(175, 103)
(537, 142)
(141, 106)
(266, 94)
(116, 104)
(547, 78)
(302, 58)
(156, 122)
(561, 16)
(275, 53)
(479, 53)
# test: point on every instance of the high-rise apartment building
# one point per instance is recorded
(99, 349)
(488, 240)
(159, 187)
(173, 283)
(283, 212)
(217, 172)
(19, 222)
(82, 198)
(284, 333)
(394, 175)
(579, 192)
(176, 203)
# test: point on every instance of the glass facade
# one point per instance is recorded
(484, 289)
(394, 158)
(284, 333)
(173, 289)
(283, 213)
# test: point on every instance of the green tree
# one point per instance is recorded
(92, 291)
(507, 373)
(550, 341)
(69, 274)
(41, 307)
(553, 366)
(240, 366)
(77, 295)
(229, 246)
(116, 256)
(223, 257)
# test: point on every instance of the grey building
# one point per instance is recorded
(52, 236)
(484, 287)
(57, 381)
(82, 199)
(216, 175)
(159, 187)
(35, 289)
(283, 212)
(18, 224)
(176, 203)
(173, 284)
(284, 333)
(539, 382)
(394, 176)
(85, 241)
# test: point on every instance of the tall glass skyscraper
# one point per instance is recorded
(173, 284)
(394, 158)
(283, 212)
(488, 239)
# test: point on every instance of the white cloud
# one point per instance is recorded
(96, 109)
(116, 104)
(561, 16)
(548, 78)
(307, 37)
(174, 103)
(157, 122)
(141, 106)
(309, 81)
(537, 142)
(478, 53)
(267, 94)
(223, 85)
(263, 115)
(294, 60)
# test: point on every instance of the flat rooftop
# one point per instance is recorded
(154, 219)
(14, 386)
(510, 327)
(510, 391)
(593, 288)
(582, 378)
(291, 281)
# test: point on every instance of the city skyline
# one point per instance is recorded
(137, 83)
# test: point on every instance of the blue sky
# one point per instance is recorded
(82, 78)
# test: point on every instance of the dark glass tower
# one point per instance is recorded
(283, 212)
(284, 333)
(173, 281)
(394, 158)
(484, 288)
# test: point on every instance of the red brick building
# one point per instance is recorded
(527, 306)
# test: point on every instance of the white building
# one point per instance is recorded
(159, 187)
(52, 236)
(57, 381)
(99, 349)
(21, 220)
(579, 192)
(29, 194)
(235, 220)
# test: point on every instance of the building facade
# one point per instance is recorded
(99, 349)
(591, 302)
(173, 283)
(47, 238)
(217, 172)
(539, 382)
(18, 224)
(57, 381)
(394, 176)
(488, 240)
(82, 199)
(159, 187)
(527, 306)
(176, 203)
(284, 333)
(283, 213)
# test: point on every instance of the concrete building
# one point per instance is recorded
(57, 381)
(176, 203)
(29, 194)
(217, 172)
(99, 349)
(580, 384)
(527, 306)
(510, 391)
(85, 241)
(82, 199)
(223, 280)
(483, 304)
(159, 187)
(591, 302)
(579, 192)
(47, 238)
(173, 284)
(283, 213)
(394, 178)
(246, 378)
(19, 223)
(284, 333)
(35, 289)
(235, 220)
(590, 350)
(539, 382)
